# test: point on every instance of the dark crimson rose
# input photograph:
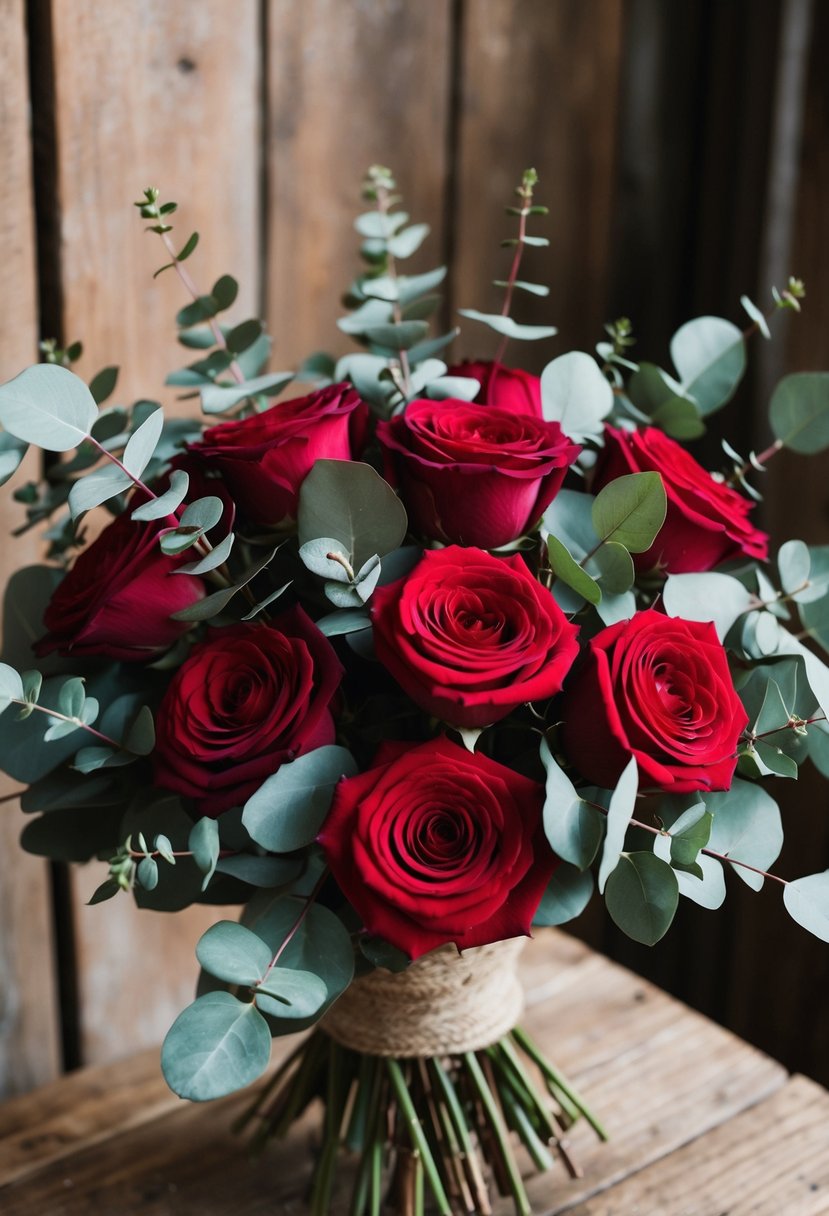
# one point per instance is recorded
(244, 702)
(265, 458)
(435, 845)
(474, 474)
(657, 688)
(470, 636)
(117, 598)
(507, 388)
(707, 521)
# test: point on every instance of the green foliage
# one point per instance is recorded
(619, 815)
(747, 826)
(630, 510)
(565, 567)
(507, 327)
(233, 953)
(575, 394)
(707, 597)
(566, 897)
(349, 502)
(798, 412)
(642, 894)
(288, 810)
(203, 843)
(289, 993)
(573, 829)
(807, 902)
(709, 355)
(48, 406)
(217, 1045)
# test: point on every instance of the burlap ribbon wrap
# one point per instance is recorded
(445, 1002)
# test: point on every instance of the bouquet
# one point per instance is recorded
(395, 664)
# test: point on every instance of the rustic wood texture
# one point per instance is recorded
(28, 1013)
(538, 87)
(350, 85)
(166, 95)
(624, 1043)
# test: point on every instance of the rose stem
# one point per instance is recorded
(495, 1119)
(334, 1108)
(442, 1156)
(468, 1155)
(417, 1135)
(190, 286)
(571, 1101)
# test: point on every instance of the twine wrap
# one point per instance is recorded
(445, 1002)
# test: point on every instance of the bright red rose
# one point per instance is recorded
(707, 521)
(248, 699)
(470, 636)
(507, 388)
(117, 598)
(435, 845)
(657, 688)
(474, 474)
(265, 458)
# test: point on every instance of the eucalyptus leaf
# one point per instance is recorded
(613, 568)
(288, 810)
(289, 993)
(747, 826)
(351, 502)
(807, 902)
(217, 398)
(630, 510)
(215, 1046)
(798, 412)
(508, 327)
(233, 953)
(49, 406)
(619, 814)
(707, 597)
(642, 894)
(168, 502)
(567, 895)
(573, 829)
(142, 444)
(217, 556)
(97, 487)
(566, 568)
(575, 394)
(709, 355)
(203, 843)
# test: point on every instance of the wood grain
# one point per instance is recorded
(350, 85)
(624, 1043)
(166, 95)
(28, 1025)
(538, 87)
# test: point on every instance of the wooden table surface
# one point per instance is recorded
(701, 1124)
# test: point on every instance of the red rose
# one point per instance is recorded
(117, 598)
(657, 688)
(474, 474)
(470, 636)
(265, 458)
(507, 388)
(245, 701)
(435, 845)
(707, 522)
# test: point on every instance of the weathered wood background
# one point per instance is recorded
(684, 151)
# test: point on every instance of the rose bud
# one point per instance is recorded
(474, 474)
(471, 637)
(507, 388)
(118, 597)
(265, 458)
(245, 701)
(434, 844)
(658, 688)
(707, 522)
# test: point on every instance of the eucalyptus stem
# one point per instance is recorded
(54, 713)
(525, 193)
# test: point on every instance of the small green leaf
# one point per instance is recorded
(807, 902)
(233, 953)
(203, 843)
(49, 406)
(225, 291)
(349, 501)
(243, 336)
(575, 394)
(619, 814)
(642, 895)
(147, 873)
(407, 242)
(102, 386)
(799, 412)
(402, 335)
(168, 502)
(707, 597)
(709, 355)
(11, 686)
(288, 993)
(188, 247)
(288, 810)
(217, 398)
(614, 568)
(689, 834)
(566, 897)
(508, 327)
(217, 1045)
(630, 510)
(573, 829)
(97, 487)
(565, 567)
(217, 556)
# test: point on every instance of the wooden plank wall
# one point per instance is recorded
(29, 1032)
(651, 137)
